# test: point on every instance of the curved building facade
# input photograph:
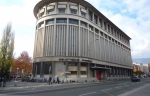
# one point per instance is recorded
(74, 37)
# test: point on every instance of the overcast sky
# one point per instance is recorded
(131, 16)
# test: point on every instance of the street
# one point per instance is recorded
(115, 88)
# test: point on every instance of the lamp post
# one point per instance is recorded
(17, 71)
(22, 72)
(88, 75)
(89, 45)
(49, 70)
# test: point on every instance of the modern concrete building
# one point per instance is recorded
(74, 37)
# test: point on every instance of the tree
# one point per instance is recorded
(6, 50)
(23, 63)
(139, 72)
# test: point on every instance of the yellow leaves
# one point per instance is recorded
(23, 62)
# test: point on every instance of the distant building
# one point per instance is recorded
(142, 67)
(136, 68)
(149, 67)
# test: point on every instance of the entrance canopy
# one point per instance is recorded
(96, 67)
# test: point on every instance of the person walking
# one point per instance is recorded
(58, 80)
(0, 81)
(50, 80)
(5, 79)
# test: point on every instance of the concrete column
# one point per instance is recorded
(79, 72)
(128, 72)
(33, 70)
(122, 73)
(88, 70)
(41, 70)
(53, 69)
(113, 71)
(66, 67)
(125, 70)
(95, 71)
(119, 71)
(116, 71)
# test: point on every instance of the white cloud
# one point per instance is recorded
(131, 16)
(23, 23)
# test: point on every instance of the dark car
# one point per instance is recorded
(135, 79)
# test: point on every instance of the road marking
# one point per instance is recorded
(133, 91)
(108, 93)
(126, 85)
(106, 89)
(118, 87)
(87, 94)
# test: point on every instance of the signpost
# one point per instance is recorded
(49, 70)
(67, 75)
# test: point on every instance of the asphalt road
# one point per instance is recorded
(122, 88)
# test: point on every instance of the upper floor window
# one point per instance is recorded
(90, 28)
(61, 20)
(50, 11)
(83, 14)
(73, 11)
(100, 22)
(108, 28)
(41, 14)
(50, 21)
(110, 38)
(83, 24)
(96, 31)
(61, 10)
(112, 32)
(41, 24)
(73, 21)
(105, 25)
(101, 33)
(90, 15)
(105, 36)
(95, 19)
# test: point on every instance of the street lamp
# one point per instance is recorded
(90, 44)
(23, 72)
(49, 70)
(17, 71)
(88, 49)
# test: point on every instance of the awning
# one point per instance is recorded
(100, 68)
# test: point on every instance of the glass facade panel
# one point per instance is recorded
(90, 28)
(83, 14)
(61, 20)
(50, 11)
(72, 11)
(90, 15)
(61, 10)
(73, 21)
(95, 19)
(96, 31)
(83, 24)
(50, 21)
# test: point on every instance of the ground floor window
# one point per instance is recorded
(73, 73)
(83, 72)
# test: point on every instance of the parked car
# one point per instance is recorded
(135, 79)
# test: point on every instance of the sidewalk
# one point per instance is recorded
(21, 85)
(10, 85)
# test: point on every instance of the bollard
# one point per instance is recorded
(2, 84)
(15, 83)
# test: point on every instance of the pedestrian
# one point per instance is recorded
(58, 80)
(50, 80)
(0, 81)
(5, 79)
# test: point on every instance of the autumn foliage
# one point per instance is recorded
(23, 63)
